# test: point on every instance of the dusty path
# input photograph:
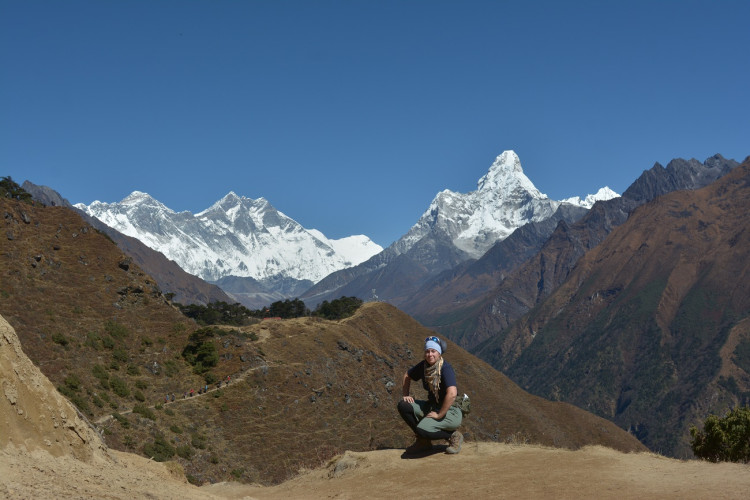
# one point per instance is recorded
(492, 470)
(234, 379)
(481, 470)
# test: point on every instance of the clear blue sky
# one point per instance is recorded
(349, 116)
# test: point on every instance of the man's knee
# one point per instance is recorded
(405, 407)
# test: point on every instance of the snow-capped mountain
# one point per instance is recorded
(602, 195)
(455, 228)
(505, 199)
(237, 236)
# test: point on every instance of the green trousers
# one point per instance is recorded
(449, 423)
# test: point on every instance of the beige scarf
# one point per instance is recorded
(432, 376)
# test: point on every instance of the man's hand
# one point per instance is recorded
(408, 399)
(432, 414)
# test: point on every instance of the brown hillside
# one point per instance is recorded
(304, 390)
(650, 330)
(47, 458)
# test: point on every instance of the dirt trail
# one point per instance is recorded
(481, 470)
(491, 470)
(234, 378)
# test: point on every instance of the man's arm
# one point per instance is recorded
(450, 397)
(405, 386)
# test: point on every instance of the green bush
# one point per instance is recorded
(199, 441)
(73, 382)
(185, 451)
(138, 395)
(115, 329)
(725, 439)
(119, 387)
(338, 308)
(120, 355)
(145, 412)
(201, 351)
(122, 420)
(59, 338)
(100, 372)
(159, 450)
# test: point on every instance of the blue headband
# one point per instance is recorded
(431, 344)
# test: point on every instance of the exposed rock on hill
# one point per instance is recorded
(33, 415)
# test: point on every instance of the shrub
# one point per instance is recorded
(338, 308)
(59, 338)
(185, 451)
(138, 395)
(133, 370)
(92, 340)
(170, 368)
(120, 355)
(201, 351)
(145, 412)
(159, 450)
(122, 420)
(115, 329)
(175, 428)
(73, 382)
(119, 387)
(100, 372)
(141, 384)
(725, 439)
(199, 441)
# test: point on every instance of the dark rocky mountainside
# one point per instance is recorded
(651, 328)
(302, 390)
(530, 283)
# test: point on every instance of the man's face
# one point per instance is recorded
(431, 356)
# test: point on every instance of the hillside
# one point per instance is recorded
(42, 457)
(651, 327)
(303, 391)
(186, 288)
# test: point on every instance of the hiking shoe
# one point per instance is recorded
(421, 444)
(454, 443)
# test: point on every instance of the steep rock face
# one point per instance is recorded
(456, 228)
(33, 415)
(536, 278)
(650, 329)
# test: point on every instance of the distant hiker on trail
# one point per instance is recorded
(436, 418)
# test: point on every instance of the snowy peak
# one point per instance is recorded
(505, 200)
(236, 236)
(506, 175)
(603, 194)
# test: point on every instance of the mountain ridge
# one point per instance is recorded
(650, 314)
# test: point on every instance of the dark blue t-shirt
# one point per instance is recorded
(447, 379)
